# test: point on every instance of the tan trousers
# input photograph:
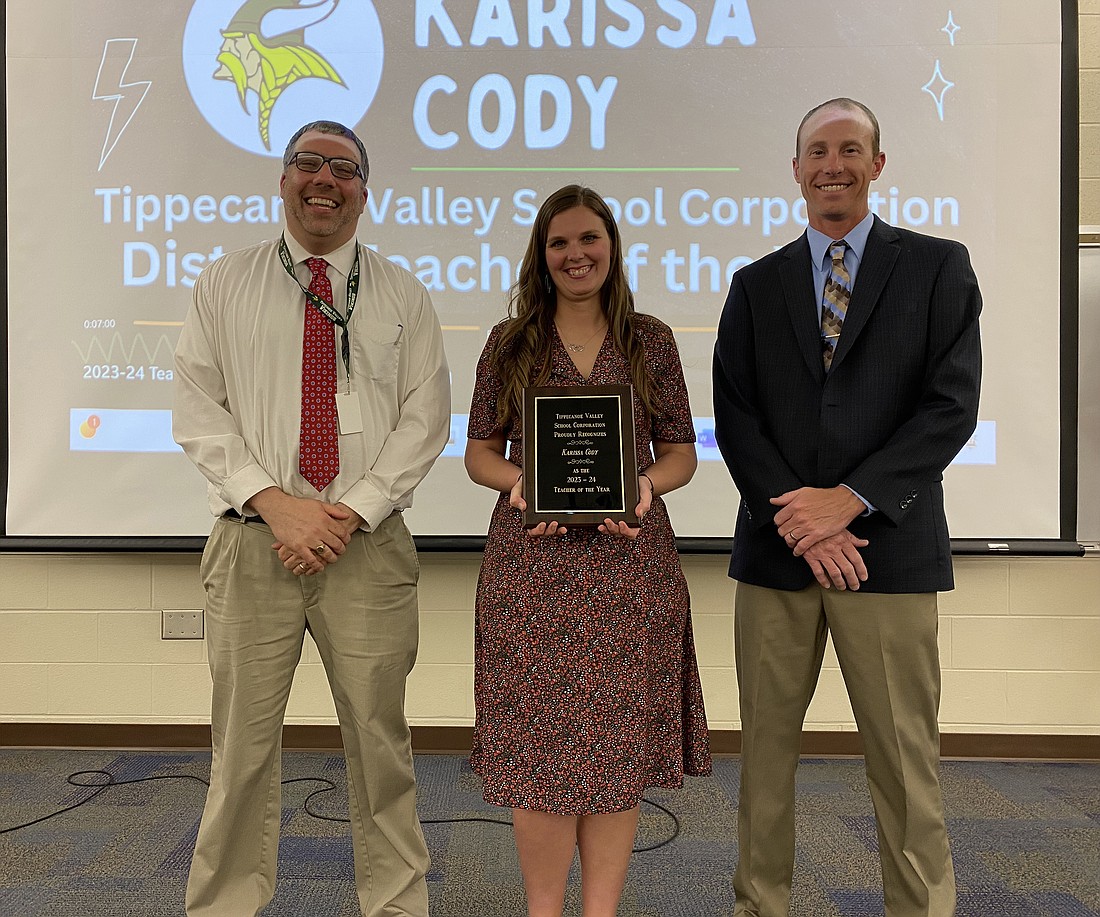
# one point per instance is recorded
(888, 652)
(362, 613)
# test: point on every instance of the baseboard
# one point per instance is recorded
(457, 739)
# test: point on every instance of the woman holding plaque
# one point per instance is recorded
(586, 682)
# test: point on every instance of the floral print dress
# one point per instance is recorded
(585, 681)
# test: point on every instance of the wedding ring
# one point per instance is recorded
(319, 550)
(301, 565)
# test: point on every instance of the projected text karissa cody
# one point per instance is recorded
(494, 103)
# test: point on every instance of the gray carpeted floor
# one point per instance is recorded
(1026, 839)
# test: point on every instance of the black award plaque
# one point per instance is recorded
(579, 461)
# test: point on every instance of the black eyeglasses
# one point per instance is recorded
(312, 162)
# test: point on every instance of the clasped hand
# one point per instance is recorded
(309, 534)
(813, 523)
(810, 514)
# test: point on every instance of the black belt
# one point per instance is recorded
(233, 514)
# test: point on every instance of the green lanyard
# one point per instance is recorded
(325, 308)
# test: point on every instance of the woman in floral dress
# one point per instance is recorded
(586, 682)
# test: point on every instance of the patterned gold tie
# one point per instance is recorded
(834, 302)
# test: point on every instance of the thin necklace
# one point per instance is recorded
(579, 348)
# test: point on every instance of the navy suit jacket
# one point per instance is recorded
(899, 403)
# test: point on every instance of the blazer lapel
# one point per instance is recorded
(798, 293)
(879, 258)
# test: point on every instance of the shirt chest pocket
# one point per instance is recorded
(381, 343)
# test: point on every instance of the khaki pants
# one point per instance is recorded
(889, 657)
(362, 613)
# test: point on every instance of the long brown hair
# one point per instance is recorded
(522, 354)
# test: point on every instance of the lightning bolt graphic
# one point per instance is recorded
(111, 86)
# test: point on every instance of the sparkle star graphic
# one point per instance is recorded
(951, 28)
(937, 87)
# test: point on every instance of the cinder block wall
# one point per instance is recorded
(1019, 639)
(1089, 25)
(80, 642)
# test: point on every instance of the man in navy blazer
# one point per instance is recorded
(841, 527)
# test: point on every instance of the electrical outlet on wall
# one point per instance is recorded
(181, 625)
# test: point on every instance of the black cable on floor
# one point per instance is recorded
(473, 818)
(668, 840)
(100, 787)
(328, 787)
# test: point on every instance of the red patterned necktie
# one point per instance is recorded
(319, 455)
(834, 302)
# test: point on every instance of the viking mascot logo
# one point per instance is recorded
(265, 50)
(330, 51)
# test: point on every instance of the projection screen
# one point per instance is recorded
(143, 141)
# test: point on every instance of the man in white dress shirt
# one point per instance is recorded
(309, 532)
